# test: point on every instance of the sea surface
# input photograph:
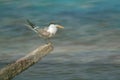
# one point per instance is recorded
(87, 49)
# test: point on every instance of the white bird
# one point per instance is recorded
(46, 32)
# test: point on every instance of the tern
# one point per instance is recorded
(47, 32)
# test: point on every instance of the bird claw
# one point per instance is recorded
(49, 42)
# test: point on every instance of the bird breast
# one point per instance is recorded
(52, 30)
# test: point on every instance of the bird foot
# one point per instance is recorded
(49, 42)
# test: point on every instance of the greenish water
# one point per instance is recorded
(87, 49)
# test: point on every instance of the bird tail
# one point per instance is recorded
(32, 26)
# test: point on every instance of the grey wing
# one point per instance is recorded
(46, 28)
(43, 33)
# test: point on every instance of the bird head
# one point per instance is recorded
(52, 25)
(53, 28)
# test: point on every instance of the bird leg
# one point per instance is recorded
(48, 40)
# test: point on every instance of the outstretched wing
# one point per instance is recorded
(41, 32)
(32, 26)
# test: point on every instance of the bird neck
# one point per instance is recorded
(52, 30)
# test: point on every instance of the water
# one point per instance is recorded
(87, 49)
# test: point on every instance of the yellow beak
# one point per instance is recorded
(59, 26)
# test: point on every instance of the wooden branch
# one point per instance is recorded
(10, 71)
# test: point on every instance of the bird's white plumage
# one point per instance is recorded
(52, 29)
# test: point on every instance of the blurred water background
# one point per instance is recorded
(87, 49)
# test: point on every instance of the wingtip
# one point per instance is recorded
(27, 20)
(30, 23)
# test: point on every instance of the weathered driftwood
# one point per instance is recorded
(10, 71)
